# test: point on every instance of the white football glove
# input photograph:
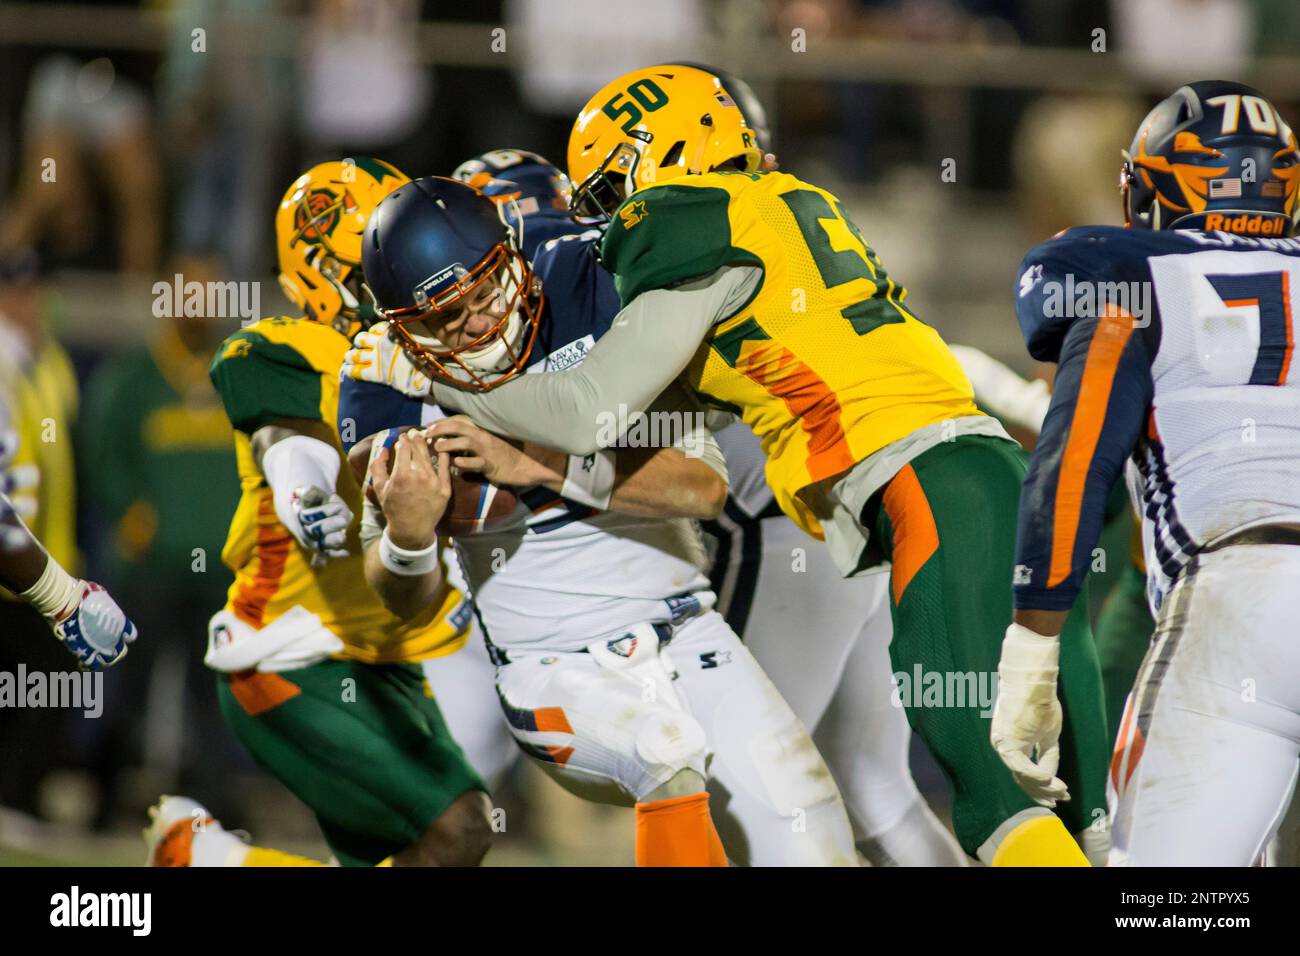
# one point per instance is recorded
(96, 631)
(323, 520)
(376, 357)
(1027, 713)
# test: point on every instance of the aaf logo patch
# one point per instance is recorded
(632, 213)
(624, 646)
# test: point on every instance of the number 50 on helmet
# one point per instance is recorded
(652, 125)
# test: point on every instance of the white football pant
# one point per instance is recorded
(1209, 746)
(616, 722)
(824, 640)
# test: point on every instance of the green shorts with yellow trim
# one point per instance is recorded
(947, 521)
(363, 745)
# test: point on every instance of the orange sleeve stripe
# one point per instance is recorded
(1290, 329)
(552, 720)
(1104, 352)
(782, 374)
(916, 538)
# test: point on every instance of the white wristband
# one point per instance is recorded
(407, 564)
(55, 593)
(589, 480)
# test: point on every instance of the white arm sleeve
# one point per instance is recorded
(651, 341)
(298, 461)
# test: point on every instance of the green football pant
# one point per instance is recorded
(947, 522)
(363, 745)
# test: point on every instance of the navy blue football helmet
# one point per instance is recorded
(433, 246)
(1214, 156)
(532, 181)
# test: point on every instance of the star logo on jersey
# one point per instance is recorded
(1030, 278)
(237, 348)
(711, 659)
(1023, 575)
(632, 213)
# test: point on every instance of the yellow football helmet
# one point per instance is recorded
(650, 125)
(318, 230)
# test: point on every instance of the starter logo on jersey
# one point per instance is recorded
(1030, 279)
(1023, 575)
(711, 659)
(632, 213)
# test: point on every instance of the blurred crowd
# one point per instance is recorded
(123, 167)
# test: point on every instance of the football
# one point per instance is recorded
(476, 505)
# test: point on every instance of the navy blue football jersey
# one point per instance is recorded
(1173, 351)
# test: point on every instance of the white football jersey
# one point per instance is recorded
(1225, 422)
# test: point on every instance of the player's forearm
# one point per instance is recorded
(22, 559)
(1047, 623)
(665, 483)
(647, 482)
(586, 408)
(407, 596)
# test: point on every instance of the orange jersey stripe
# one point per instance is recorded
(272, 549)
(809, 399)
(915, 536)
(1290, 329)
(1104, 352)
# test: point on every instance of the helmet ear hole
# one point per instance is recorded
(674, 153)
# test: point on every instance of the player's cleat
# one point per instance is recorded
(175, 823)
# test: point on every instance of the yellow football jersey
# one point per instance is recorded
(39, 402)
(825, 362)
(288, 368)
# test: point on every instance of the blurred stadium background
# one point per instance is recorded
(133, 149)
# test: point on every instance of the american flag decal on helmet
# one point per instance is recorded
(1225, 188)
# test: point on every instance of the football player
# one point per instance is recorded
(834, 687)
(315, 676)
(759, 291)
(82, 614)
(534, 196)
(612, 668)
(1198, 393)
(771, 585)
